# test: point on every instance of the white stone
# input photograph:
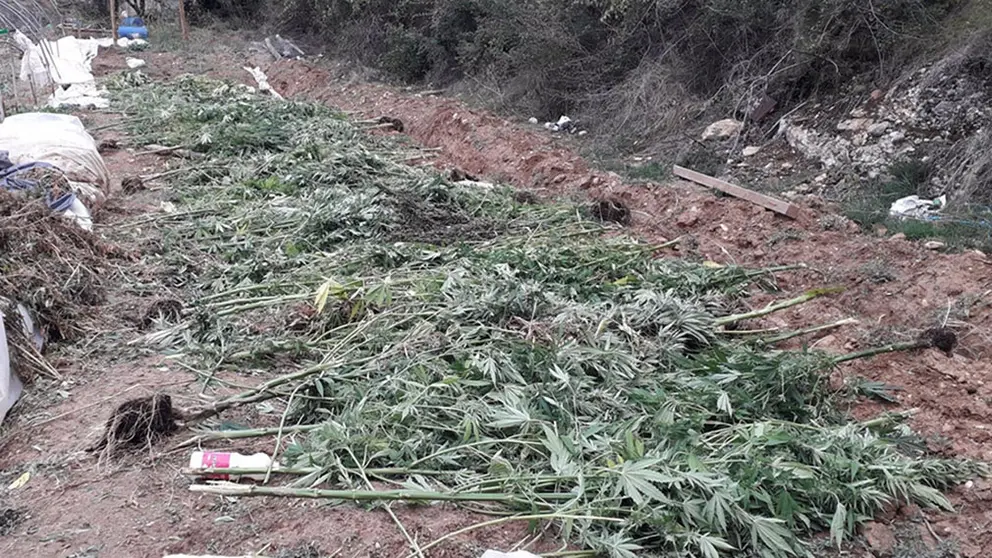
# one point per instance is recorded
(723, 129)
(853, 125)
(751, 150)
(878, 129)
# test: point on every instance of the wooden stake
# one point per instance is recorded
(768, 202)
(182, 20)
(113, 19)
(13, 80)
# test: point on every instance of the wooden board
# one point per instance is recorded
(768, 202)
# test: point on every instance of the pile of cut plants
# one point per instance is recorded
(430, 341)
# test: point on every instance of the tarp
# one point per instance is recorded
(10, 385)
(61, 141)
(67, 64)
(63, 62)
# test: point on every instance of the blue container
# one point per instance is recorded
(133, 28)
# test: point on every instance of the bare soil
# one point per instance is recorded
(77, 504)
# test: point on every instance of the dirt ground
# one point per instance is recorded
(77, 505)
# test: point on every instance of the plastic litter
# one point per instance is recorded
(20, 482)
(10, 385)
(564, 124)
(200, 461)
(914, 207)
(134, 63)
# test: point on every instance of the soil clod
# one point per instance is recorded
(526, 197)
(9, 520)
(394, 123)
(139, 422)
(132, 184)
(108, 145)
(941, 338)
(611, 211)
(458, 175)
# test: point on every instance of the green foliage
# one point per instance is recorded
(472, 344)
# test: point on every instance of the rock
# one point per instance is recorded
(876, 95)
(898, 236)
(689, 218)
(934, 245)
(897, 137)
(859, 139)
(854, 125)
(876, 130)
(751, 150)
(910, 511)
(829, 151)
(723, 129)
(880, 538)
(944, 108)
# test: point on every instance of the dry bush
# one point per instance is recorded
(968, 168)
(619, 58)
(965, 166)
(649, 104)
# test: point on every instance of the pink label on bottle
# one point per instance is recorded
(216, 461)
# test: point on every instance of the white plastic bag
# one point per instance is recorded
(60, 140)
(913, 207)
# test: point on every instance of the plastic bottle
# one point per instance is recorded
(203, 460)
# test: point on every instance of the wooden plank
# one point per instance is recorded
(768, 202)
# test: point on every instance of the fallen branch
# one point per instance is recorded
(241, 434)
(809, 330)
(772, 308)
(893, 348)
(232, 489)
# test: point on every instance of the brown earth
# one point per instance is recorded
(139, 505)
